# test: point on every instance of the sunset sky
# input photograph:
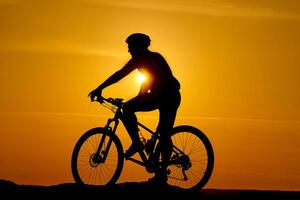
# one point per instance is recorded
(237, 61)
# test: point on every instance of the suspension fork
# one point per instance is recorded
(108, 130)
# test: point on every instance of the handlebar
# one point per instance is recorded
(114, 101)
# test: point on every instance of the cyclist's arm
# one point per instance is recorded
(129, 67)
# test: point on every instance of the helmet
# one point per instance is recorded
(138, 40)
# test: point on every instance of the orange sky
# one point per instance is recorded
(237, 62)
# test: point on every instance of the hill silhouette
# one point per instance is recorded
(134, 190)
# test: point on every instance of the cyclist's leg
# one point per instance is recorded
(139, 103)
(167, 110)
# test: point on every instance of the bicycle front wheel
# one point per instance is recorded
(104, 169)
(192, 158)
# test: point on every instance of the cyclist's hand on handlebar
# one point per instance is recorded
(95, 95)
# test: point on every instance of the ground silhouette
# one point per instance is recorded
(135, 190)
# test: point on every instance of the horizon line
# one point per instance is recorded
(148, 116)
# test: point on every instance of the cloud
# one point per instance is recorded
(42, 31)
(61, 46)
(53, 114)
(35, 38)
(209, 8)
(179, 117)
(214, 8)
(239, 119)
(3, 2)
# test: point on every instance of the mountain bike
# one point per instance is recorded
(98, 156)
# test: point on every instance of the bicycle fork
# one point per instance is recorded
(101, 154)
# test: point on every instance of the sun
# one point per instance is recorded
(141, 77)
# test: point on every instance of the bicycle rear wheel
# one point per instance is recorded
(85, 167)
(192, 158)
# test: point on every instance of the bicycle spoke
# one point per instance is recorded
(92, 140)
(192, 146)
(85, 171)
(197, 150)
(181, 142)
(107, 168)
(197, 165)
(102, 176)
(105, 172)
(87, 163)
(187, 141)
(91, 145)
(92, 175)
(191, 171)
(97, 173)
(176, 175)
(85, 149)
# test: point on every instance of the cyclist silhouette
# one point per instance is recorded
(159, 91)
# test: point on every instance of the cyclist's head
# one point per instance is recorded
(138, 41)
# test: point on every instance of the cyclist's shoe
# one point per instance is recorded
(134, 148)
(160, 177)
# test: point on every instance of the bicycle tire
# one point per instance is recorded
(78, 176)
(208, 168)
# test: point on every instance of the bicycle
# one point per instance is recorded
(98, 157)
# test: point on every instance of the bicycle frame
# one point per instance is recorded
(112, 129)
(141, 153)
